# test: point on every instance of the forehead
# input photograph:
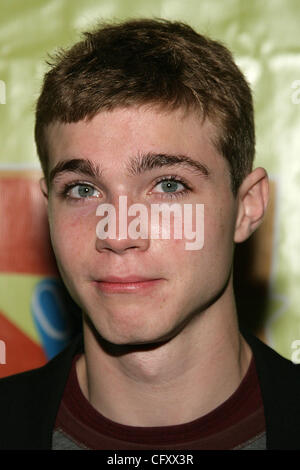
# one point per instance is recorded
(124, 133)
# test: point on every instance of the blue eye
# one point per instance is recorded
(81, 191)
(170, 186)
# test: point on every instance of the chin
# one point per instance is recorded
(141, 336)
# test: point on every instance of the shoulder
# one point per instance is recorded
(271, 365)
(54, 366)
(279, 381)
(29, 401)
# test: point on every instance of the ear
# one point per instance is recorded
(253, 196)
(44, 188)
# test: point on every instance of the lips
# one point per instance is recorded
(128, 284)
(115, 279)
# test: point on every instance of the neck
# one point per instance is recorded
(202, 366)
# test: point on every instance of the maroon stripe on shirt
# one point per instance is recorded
(237, 420)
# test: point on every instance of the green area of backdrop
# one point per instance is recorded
(264, 38)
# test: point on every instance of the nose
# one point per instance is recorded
(122, 229)
(120, 246)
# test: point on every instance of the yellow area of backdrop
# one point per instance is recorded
(264, 38)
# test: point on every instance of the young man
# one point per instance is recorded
(150, 112)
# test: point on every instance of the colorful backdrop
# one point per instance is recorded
(36, 316)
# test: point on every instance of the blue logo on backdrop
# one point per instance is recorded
(51, 310)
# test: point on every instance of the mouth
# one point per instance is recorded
(130, 284)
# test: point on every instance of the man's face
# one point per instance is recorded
(186, 281)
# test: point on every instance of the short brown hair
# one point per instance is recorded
(151, 61)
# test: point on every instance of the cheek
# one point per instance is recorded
(212, 245)
(72, 235)
(218, 236)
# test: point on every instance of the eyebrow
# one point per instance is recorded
(75, 165)
(149, 161)
(136, 166)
